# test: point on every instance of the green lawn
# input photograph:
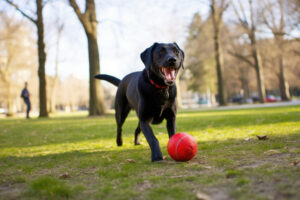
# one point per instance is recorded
(75, 157)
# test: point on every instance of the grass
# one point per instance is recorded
(75, 157)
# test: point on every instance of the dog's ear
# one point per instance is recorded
(146, 56)
(182, 54)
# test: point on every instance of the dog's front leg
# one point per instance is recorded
(171, 126)
(156, 154)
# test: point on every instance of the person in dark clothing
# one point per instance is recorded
(25, 95)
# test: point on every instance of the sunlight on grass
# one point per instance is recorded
(230, 159)
(106, 144)
(84, 146)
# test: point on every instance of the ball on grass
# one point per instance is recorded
(182, 147)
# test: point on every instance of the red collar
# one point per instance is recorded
(158, 86)
(152, 82)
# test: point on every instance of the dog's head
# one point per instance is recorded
(164, 60)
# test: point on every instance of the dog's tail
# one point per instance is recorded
(108, 78)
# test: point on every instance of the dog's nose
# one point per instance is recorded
(172, 60)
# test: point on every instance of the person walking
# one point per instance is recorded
(25, 95)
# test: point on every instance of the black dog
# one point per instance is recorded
(151, 93)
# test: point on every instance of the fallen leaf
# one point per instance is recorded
(262, 137)
(65, 175)
(202, 196)
(277, 180)
(130, 160)
(295, 163)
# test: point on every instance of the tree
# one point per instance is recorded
(89, 22)
(14, 59)
(250, 27)
(200, 60)
(38, 21)
(277, 27)
(60, 27)
(216, 15)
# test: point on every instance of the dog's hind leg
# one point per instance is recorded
(136, 135)
(122, 110)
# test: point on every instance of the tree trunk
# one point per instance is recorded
(258, 68)
(10, 108)
(217, 22)
(257, 63)
(244, 79)
(279, 39)
(219, 69)
(52, 108)
(53, 92)
(96, 106)
(260, 77)
(89, 22)
(42, 60)
(283, 85)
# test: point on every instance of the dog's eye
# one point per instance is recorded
(162, 51)
(175, 51)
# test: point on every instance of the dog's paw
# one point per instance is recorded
(119, 142)
(137, 143)
(157, 158)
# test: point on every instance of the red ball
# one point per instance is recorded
(182, 147)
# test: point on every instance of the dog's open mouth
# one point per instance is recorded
(169, 73)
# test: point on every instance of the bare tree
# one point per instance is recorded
(13, 59)
(60, 27)
(89, 22)
(39, 23)
(250, 26)
(216, 15)
(277, 25)
(200, 71)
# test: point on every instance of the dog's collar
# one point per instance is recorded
(152, 82)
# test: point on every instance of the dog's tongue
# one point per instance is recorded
(169, 74)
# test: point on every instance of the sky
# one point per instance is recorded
(125, 29)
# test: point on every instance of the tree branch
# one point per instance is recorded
(297, 52)
(223, 8)
(241, 57)
(242, 10)
(21, 11)
(265, 20)
(270, 8)
(253, 27)
(244, 22)
(281, 24)
(76, 8)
